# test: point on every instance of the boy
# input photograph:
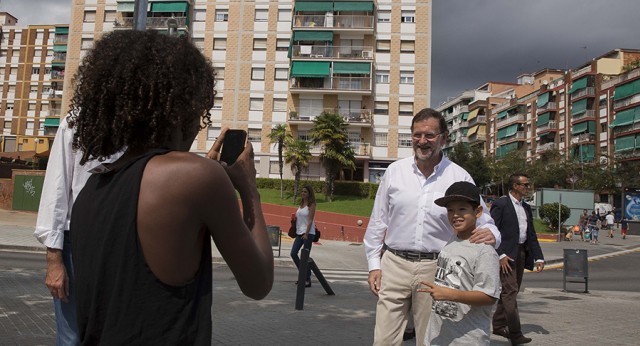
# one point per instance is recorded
(467, 280)
(624, 224)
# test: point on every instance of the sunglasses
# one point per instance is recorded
(524, 184)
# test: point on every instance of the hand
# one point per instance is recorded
(374, 280)
(57, 280)
(505, 267)
(437, 292)
(305, 236)
(214, 152)
(539, 266)
(482, 235)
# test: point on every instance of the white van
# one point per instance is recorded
(602, 208)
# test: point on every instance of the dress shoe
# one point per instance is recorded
(520, 339)
(408, 334)
(501, 332)
(307, 284)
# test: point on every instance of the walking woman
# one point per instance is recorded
(305, 227)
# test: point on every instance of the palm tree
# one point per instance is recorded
(297, 154)
(279, 136)
(330, 130)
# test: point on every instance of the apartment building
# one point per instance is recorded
(32, 63)
(286, 62)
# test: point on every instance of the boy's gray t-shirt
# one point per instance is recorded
(468, 267)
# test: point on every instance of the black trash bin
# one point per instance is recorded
(576, 268)
(274, 237)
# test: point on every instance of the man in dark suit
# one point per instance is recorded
(518, 250)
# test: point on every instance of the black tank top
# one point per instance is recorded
(119, 299)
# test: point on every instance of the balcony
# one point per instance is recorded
(354, 85)
(55, 94)
(544, 147)
(362, 150)
(510, 119)
(152, 22)
(628, 154)
(589, 113)
(520, 135)
(480, 119)
(61, 39)
(57, 74)
(625, 102)
(550, 106)
(627, 128)
(477, 138)
(300, 51)
(588, 91)
(57, 57)
(583, 138)
(551, 125)
(355, 117)
(339, 22)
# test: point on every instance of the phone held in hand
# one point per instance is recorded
(233, 145)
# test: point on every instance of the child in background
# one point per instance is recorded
(623, 225)
(467, 282)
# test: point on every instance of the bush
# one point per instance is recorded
(549, 213)
(342, 188)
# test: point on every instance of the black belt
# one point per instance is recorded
(414, 256)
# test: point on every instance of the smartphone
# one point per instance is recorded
(233, 145)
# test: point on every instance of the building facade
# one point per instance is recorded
(286, 62)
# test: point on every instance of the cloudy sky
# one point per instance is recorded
(476, 41)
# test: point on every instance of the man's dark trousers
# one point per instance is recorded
(507, 308)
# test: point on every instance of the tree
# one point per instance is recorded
(279, 135)
(472, 160)
(298, 155)
(330, 130)
(500, 170)
(549, 213)
(549, 170)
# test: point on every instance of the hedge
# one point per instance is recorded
(342, 188)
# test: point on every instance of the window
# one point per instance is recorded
(7, 124)
(219, 44)
(274, 167)
(217, 103)
(87, 43)
(219, 73)
(222, 15)
(199, 15)
(284, 15)
(35, 70)
(89, 16)
(407, 46)
(383, 46)
(381, 107)
(253, 135)
(13, 71)
(382, 77)
(256, 104)
(257, 73)
(30, 124)
(380, 139)
(282, 44)
(37, 53)
(31, 107)
(109, 16)
(282, 73)
(259, 44)
(406, 77)
(405, 108)
(262, 15)
(404, 140)
(9, 106)
(279, 105)
(198, 42)
(408, 17)
(33, 89)
(213, 133)
(384, 16)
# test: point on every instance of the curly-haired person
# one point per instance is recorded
(141, 229)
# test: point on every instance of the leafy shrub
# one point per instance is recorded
(343, 188)
(549, 213)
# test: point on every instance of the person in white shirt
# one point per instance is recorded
(610, 222)
(63, 181)
(413, 229)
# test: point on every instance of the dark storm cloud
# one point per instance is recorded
(476, 41)
(35, 12)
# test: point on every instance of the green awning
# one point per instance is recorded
(627, 90)
(314, 6)
(464, 115)
(587, 126)
(351, 68)
(625, 143)
(542, 100)
(637, 141)
(353, 6)
(502, 114)
(310, 69)
(578, 84)
(626, 117)
(62, 30)
(52, 122)
(313, 36)
(173, 6)
(60, 48)
(57, 64)
(543, 119)
(579, 107)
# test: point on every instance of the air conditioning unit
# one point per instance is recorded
(366, 54)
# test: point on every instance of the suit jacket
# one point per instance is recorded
(506, 219)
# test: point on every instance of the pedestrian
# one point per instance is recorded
(141, 231)
(594, 227)
(582, 223)
(467, 281)
(610, 222)
(519, 250)
(305, 227)
(413, 229)
(64, 179)
(623, 226)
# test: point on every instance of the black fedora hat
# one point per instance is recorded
(460, 191)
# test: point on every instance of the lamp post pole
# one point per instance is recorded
(140, 15)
